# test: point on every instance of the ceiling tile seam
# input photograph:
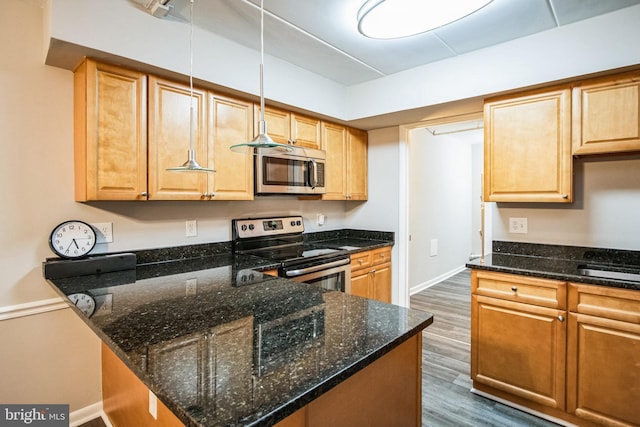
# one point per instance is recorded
(452, 50)
(327, 44)
(553, 12)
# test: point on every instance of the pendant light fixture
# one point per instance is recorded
(191, 165)
(263, 140)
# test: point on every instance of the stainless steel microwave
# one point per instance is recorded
(299, 171)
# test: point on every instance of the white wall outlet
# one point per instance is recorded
(320, 219)
(104, 232)
(191, 228)
(518, 225)
(433, 247)
(192, 286)
(153, 405)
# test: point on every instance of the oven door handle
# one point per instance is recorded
(301, 271)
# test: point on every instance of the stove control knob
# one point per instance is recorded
(251, 227)
(298, 222)
(244, 227)
(293, 223)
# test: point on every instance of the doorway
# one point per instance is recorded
(445, 210)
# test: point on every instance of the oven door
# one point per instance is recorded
(334, 275)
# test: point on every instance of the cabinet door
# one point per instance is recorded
(603, 375)
(305, 131)
(528, 148)
(360, 284)
(278, 123)
(357, 182)
(520, 349)
(230, 122)
(169, 136)
(381, 285)
(606, 115)
(110, 133)
(334, 143)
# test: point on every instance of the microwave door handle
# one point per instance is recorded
(313, 172)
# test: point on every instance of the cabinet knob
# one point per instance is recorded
(561, 318)
(514, 288)
(144, 194)
(565, 196)
(360, 261)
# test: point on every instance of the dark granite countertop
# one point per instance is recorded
(221, 344)
(560, 262)
(351, 240)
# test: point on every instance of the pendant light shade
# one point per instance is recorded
(191, 165)
(262, 140)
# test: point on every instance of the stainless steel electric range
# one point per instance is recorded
(280, 239)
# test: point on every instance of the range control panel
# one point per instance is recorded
(259, 227)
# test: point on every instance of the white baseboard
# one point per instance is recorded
(31, 308)
(435, 281)
(88, 413)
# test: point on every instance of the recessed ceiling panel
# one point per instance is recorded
(569, 11)
(498, 22)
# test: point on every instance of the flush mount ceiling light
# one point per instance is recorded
(391, 19)
(191, 165)
(263, 140)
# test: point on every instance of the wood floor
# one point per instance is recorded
(446, 399)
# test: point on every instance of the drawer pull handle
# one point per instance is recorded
(360, 261)
(514, 288)
(561, 318)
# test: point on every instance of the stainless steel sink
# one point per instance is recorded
(610, 272)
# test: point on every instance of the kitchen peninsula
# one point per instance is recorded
(220, 343)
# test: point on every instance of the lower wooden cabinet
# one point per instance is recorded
(371, 274)
(516, 347)
(585, 370)
(603, 369)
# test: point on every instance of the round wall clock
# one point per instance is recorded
(72, 239)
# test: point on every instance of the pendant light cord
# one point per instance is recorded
(191, 124)
(262, 60)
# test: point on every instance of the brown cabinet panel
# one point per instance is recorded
(606, 115)
(371, 274)
(530, 290)
(528, 148)
(335, 171)
(520, 349)
(305, 131)
(110, 133)
(357, 170)
(169, 140)
(230, 122)
(603, 378)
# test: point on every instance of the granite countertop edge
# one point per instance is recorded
(555, 262)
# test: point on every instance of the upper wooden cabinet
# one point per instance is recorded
(286, 127)
(230, 123)
(110, 133)
(528, 148)
(346, 166)
(606, 115)
(169, 136)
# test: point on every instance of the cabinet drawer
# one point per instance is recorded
(380, 256)
(360, 260)
(602, 301)
(530, 290)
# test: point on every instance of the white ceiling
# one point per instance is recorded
(321, 36)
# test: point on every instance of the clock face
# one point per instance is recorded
(72, 239)
(85, 303)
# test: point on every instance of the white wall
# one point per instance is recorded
(383, 210)
(440, 206)
(605, 212)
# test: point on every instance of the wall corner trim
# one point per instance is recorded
(31, 308)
